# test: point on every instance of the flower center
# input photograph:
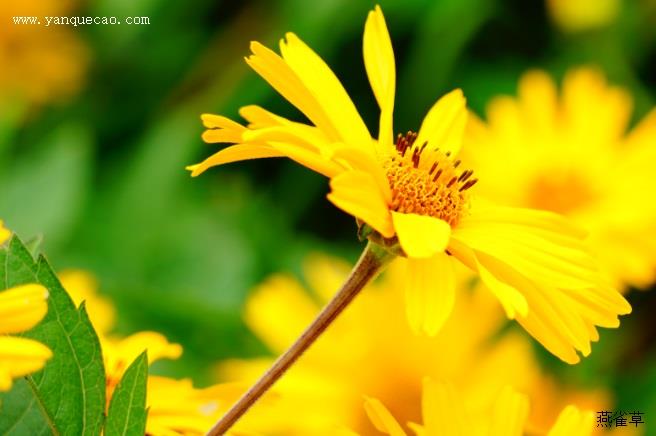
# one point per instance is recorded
(562, 191)
(426, 181)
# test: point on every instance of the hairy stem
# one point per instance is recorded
(371, 261)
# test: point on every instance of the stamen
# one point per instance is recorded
(435, 189)
(465, 175)
(468, 185)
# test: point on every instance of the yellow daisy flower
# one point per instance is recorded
(120, 353)
(570, 154)
(21, 308)
(413, 197)
(371, 350)
(40, 64)
(175, 407)
(445, 412)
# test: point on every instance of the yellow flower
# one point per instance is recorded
(445, 412)
(120, 353)
(40, 64)
(21, 308)
(5, 233)
(570, 154)
(414, 197)
(580, 15)
(175, 407)
(82, 286)
(370, 349)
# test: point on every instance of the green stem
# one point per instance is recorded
(371, 262)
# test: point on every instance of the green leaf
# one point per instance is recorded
(127, 409)
(67, 397)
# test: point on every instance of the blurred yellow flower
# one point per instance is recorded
(445, 412)
(83, 286)
(415, 200)
(175, 407)
(120, 353)
(21, 308)
(39, 63)
(579, 15)
(5, 233)
(570, 154)
(371, 350)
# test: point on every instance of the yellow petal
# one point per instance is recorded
(381, 418)
(298, 134)
(381, 70)
(212, 121)
(20, 357)
(4, 233)
(359, 159)
(511, 299)
(322, 83)
(522, 299)
(13, 348)
(537, 219)
(5, 380)
(259, 118)
(421, 236)
(22, 307)
(542, 246)
(538, 97)
(532, 255)
(444, 125)
(443, 410)
(573, 421)
(509, 413)
(120, 353)
(430, 293)
(234, 153)
(596, 114)
(83, 286)
(217, 136)
(283, 79)
(356, 193)
(278, 311)
(308, 158)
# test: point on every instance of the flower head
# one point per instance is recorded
(175, 406)
(21, 308)
(413, 197)
(445, 412)
(568, 152)
(39, 64)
